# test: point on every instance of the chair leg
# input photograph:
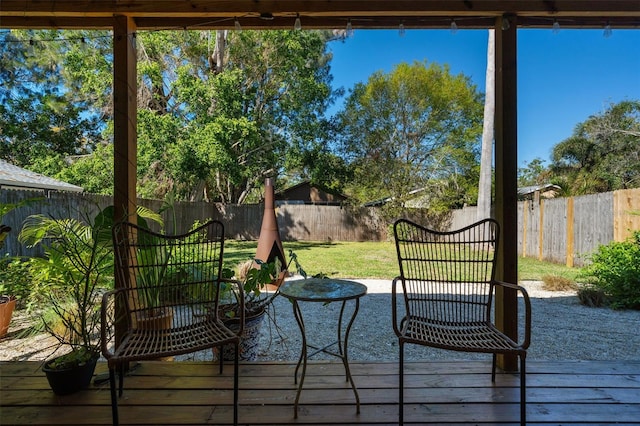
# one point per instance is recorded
(493, 368)
(401, 385)
(121, 369)
(523, 391)
(235, 384)
(221, 358)
(114, 397)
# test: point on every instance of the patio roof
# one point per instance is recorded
(219, 14)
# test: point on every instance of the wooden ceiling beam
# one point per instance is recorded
(162, 14)
(314, 7)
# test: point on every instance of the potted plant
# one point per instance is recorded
(152, 275)
(78, 268)
(259, 281)
(7, 298)
(7, 301)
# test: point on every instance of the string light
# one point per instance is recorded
(505, 23)
(556, 27)
(237, 26)
(349, 28)
(297, 25)
(607, 30)
(454, 26)
(401, 30)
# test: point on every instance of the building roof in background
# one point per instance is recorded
(309, 193)
(545, 188)
(16, 177)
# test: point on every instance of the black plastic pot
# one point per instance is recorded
(70, 380)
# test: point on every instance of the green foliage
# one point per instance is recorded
(207, 130)
(72, 359)
(615, 270)
(77, 268)
(41, 113)
(15, 279)
(602, 154)
(254, 281)
(533, 173)
(417, 127)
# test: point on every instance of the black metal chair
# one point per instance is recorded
(447, 286)
(169, 303)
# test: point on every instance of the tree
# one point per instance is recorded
(40, 114)
(486, 156)
(215, 114)
(247, 116)
(603, 154)
(533, 173)
(417, 127)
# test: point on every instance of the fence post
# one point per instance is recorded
(570, 234)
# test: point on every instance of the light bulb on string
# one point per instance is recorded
(505, 23)
(237, 25)
(297, 25)
(607, 31)
(401, 30)
(454, 26)
(556, 27)
(349, 28)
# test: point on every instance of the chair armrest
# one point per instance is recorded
(108, 319)
(394, 307)
(527, 309)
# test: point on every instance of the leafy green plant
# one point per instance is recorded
(79, 261)
(15, 279)
(254, 283)
(615, 270)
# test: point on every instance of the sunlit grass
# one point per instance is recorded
(369, 260)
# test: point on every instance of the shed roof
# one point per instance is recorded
(19, 178)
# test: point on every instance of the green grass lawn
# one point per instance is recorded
(369, 260)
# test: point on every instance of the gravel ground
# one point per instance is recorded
(562, 329)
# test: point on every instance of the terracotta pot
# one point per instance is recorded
(161, 319)
(7, 305)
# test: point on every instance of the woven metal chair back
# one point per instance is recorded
(447, 277)
(172, 281)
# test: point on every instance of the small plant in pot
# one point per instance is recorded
(256, 278)
(78, 269)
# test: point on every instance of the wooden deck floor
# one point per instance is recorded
(186, 393)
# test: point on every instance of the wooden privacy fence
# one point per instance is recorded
(567, 230)
(561, 230)
(243, 222)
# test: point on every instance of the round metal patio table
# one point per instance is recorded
(324, 290)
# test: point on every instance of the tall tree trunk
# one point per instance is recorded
(217, 57)
(486, 157)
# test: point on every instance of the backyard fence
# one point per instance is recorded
(567, 230)
(561, 230)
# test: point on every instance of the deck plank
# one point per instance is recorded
(186, 393)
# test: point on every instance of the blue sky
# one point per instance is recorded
(563, 77)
